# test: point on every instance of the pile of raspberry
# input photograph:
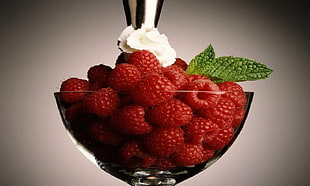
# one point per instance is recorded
(141, 114)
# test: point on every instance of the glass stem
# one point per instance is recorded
(152, 177)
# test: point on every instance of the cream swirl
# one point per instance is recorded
(144, 38)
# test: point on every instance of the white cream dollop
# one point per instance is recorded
(149, 39)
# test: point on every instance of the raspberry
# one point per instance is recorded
(176, 75)
(194, 77)
(174, 68)
(73, 84)
(172, 113)
(130, 120)
(98, 76)
(238, 117)
(162, 142)
(145, 61)
(222, 139)
(131, 154)
(74, 112)
(207, 152)
(197, 128)
(102, 102)
(189, 154)
(180, 63)
(222, 114)
(200, 95)
(209, 136)
(100, 131)
(153, 90)
(164, 163)
(235, 93)
(124, 77)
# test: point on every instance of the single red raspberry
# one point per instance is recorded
(68, 88)
(238, 117)
(180, 63)
(130, 120)
(162, 142)
(222, 139)
(101, 132)
(145, 61)
(153, 90)
(209, 136)
(222, 114)
(75, 112)
(189, 154)
(98, 76)
(172, 113)
(174, 68)
(176, 75)
(197, 128)
(164, 163)
(102, 102)
(124, 77)
(234, 92)
(207, 152)
(202, 94)
(194, 77)
(132, 155)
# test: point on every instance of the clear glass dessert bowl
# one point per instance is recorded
(135, 167)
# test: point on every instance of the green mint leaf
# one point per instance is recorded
(236, 69)
(200, 63)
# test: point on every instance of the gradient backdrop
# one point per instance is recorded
(45, 42)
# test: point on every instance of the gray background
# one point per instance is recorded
(45, 42)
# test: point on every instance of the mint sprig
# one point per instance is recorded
(227, 68)
(199, 64)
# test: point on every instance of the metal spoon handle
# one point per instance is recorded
(140, 12)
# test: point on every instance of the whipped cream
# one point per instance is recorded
(150, 39)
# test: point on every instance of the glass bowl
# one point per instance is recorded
(104, 155)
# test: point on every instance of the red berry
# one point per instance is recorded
(164, 163)
(98, 76)
(132, 155)
(145, 61)
(234, 92)
(209, 136)
(202, 94)
(174, 68)
(74, 112)
(222, 114)
(101, 132)
(238, 117)
(69, 86)
(223, 137)
(207, 152)
(176, 75)
(180, 63)
(162, 142)
(153, 90)
(124, 77)
(172, 113)
(194, 77)
(189, 154)
(130, 120)
(102, 102)
(197, 128)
